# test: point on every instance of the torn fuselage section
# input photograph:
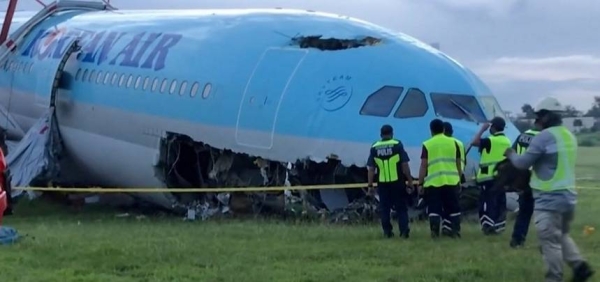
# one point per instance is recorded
(333, 44)
(186, 163)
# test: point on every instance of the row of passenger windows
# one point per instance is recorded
(16, 66)
(147, 83)
(414, 104)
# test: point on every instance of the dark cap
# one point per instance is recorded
(448, 128)
(387, 129)
(498, 123)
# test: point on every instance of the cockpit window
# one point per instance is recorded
(414, 104)
(491, 107)
(456, 106)
(381, 102)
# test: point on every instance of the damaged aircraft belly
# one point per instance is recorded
(133, 155)
(78, 147)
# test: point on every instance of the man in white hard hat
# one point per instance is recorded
(552, 155)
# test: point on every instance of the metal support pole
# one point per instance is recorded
(10, 12)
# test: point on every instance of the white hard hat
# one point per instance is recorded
(549, 104)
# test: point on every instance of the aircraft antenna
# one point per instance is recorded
(284, 35)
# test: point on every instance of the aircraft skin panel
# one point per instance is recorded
(264, 93)
(220, 50)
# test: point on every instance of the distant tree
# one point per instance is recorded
(595, 110)
(577, 124)
(571, 111)
(527, 109)
(522, 125)
(595, 127)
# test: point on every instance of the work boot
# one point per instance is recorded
(582, 272)
(514, 243)
(446, 232)
(404, 235)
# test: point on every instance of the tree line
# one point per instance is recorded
(570, 111)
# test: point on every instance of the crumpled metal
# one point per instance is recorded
(298, 204)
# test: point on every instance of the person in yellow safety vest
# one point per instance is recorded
(525, 212)
(391, 159)
(449, 131)
(439, 178)
(492, 204)
(552, 155)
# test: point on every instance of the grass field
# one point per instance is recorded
(97, 246)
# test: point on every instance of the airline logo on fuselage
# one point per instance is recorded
(145, 50)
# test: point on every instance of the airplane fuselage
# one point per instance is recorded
(233, 79)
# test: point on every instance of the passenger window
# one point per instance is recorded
(129, 81)
(206, 90)
(194, 89)
(107, 78)
(77, 75)
(414, 104)
(146, 83)
(138, 82)
(381, 102)
(122, 80)
(163, 86)
(183, 87)
(155, 84)
(99, 78)
(85, 75)
(115, 78)
(92, 76)
(173, 87)
(456, 106)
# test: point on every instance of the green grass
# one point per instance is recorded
(589, 139)
(95, 245)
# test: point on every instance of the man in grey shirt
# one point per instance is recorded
(552, 155)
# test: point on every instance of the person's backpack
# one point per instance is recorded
(8, 235)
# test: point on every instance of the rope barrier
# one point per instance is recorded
(209, 190)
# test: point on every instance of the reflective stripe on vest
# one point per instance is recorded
(388, 168)
(463, 157)
(441, 162)
(499, 144)
(522, 149)
(564, 175)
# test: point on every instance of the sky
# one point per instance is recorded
(523, 50)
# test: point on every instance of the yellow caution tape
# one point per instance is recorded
(192, 190)
(206, 190)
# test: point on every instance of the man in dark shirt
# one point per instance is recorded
(391, 160)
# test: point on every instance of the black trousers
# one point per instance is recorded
(393, 194)
(492, 208)
(440, 201)
(521, 228)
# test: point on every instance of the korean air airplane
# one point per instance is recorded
(191, 98)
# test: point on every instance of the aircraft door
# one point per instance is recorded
(50, 76)
(262, 97)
